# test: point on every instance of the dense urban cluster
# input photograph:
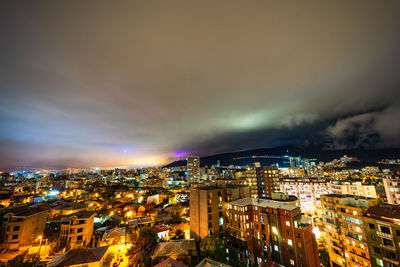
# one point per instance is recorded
(309, 214)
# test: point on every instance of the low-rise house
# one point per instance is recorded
(77, 228)
(114, 236)
(139, 222)
(23, 226)
(162, 231)
(206, 262)
(93, 257)
(169, 262)
(182, 250)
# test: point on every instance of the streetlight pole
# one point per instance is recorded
(40, 246)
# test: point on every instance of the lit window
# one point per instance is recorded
(276, 248)
(287, 223)
(290, 243)
(291, 262)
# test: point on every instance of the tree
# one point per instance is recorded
(57, 245)
(179, 234)
(324, 257)
(143, 243)
(213, 247)
(23, 260)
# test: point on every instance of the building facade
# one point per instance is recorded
(308, 192)
(24, 226)
(77, 228)
(391, 182)
(352, 188)
(382, 225)
(343, 224)
(193, 169)
(208, 208)
(267, 230)
(263, 181)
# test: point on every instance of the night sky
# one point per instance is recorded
(135, 83)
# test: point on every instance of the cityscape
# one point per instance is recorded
(199, 134)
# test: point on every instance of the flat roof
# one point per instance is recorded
(346, 196)
(384, 211)
(265, 203)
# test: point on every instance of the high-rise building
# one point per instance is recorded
(208, 208)
(383, 235)
(343, 223)
(308, 192)
(193, 169)
(391, 182)
(353, 188)
(267, 230)
(263, 181)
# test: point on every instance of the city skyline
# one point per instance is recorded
(101, 84)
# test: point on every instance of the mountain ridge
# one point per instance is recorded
(275, 154)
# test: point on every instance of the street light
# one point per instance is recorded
(40, 246)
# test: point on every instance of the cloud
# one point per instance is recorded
(299, 119)
(100, 84)
(369, 130)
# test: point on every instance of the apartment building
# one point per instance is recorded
(343, 223)
(77, 228)
(308, 192)
(24, 226)
(263, 181)
(208, 208)
(391, 183)
(352, 188)
(382, 227)
(267, 230)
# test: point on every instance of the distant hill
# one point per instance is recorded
(268, 156)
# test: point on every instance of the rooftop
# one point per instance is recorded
(346, 196)
(266, 203)
(168, 262)
(28, 211)
(384, 211)
(79, 215)
(206, 262)
(78, 256)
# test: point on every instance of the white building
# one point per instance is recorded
(308, 192)
(354, 188)
(392, 189)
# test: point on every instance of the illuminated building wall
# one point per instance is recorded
(343, 223)
(271, 231)
(193, 169)
(263, 181)
(308, 192)
(208, 208)
(382, 225)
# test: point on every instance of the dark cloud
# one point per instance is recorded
(375, 129)
(132, 83)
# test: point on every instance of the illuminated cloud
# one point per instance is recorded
(96, 83)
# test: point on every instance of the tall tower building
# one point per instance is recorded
(193, 169)
(263, 181)
(208, 208)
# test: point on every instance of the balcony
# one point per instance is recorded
(392, 248)
(384, 235)
(395, 262)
